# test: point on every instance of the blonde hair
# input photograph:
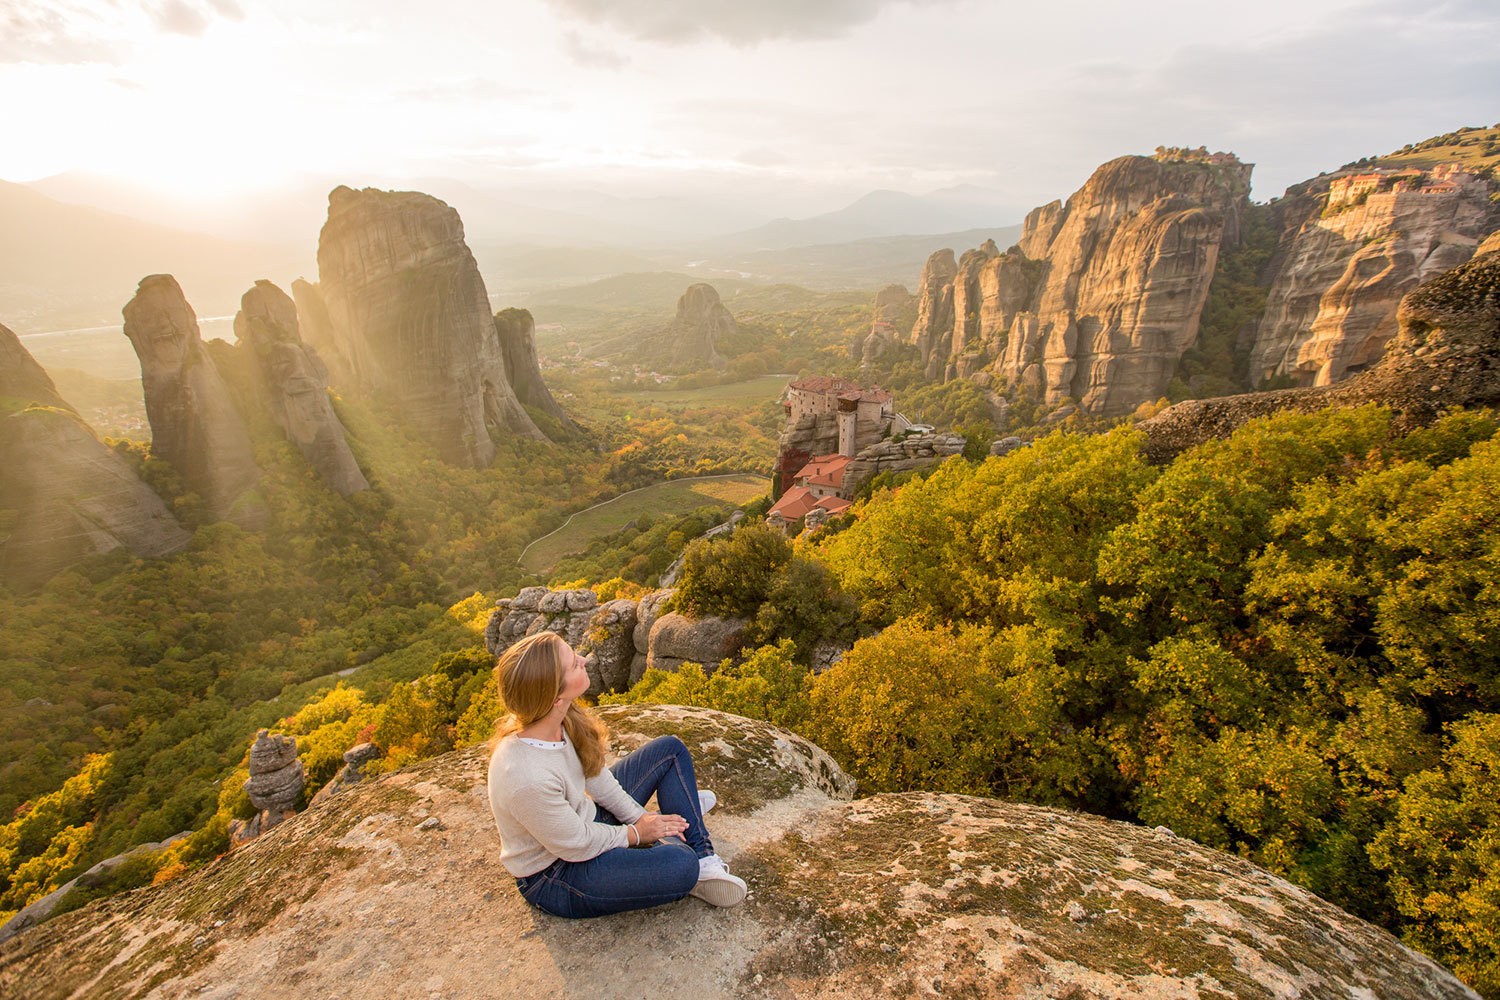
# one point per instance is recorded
(529, 679)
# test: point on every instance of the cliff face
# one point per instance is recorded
(70, 495)
(1446, 354)
(1103, 295)
(1347, 257)
(396, 883)
(410, 320)
(294, 386)
(517, 333)
(194, 423)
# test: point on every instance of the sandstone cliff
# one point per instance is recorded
(517, 333)
(1101, 297)
(294, 386)
(1352, 245)
(195, 425)
(68, 496)
(410, 321)
(395, 885)
(1446, 354)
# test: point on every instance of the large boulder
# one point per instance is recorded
(293, 384)
(195, 425)
(277, 780)
(648, 610)
(537, 609)
(395, 885)
(609, 646)
(677, 639)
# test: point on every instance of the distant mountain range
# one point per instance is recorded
(67, 260)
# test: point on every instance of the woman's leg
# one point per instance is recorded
(618, 880)
(664, 767)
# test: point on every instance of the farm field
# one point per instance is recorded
(668, 499)
(755, 390)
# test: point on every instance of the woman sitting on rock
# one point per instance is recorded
(573, 857)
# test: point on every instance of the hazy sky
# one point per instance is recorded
(820, 100)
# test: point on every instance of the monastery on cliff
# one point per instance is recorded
(824, 410)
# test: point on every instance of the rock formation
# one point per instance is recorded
(294, 386)
(1101, 297)
(893, 307)
(195, 425)
(351, 774)
(701, 321)
(517, 332)
(316, 328)
(620, 639)
(915, 452)
(410, 320)
(396, 885)
(69, 495)
(1446, 354)
(1352, 245)
(677, 639)
(275, 786)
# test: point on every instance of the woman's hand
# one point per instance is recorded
(654, 826)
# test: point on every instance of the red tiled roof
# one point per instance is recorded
(834, 505)
(824, 470)
(794, 504)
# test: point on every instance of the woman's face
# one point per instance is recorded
(575, 679)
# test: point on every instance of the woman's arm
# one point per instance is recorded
(543, 810)
(605, 789)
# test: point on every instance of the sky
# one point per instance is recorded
(783, 104)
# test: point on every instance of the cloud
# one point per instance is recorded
(733, 21)
(181, 18)
(585, 53)
(63, 32)
(37, 32)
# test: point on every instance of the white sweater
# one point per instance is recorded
(543, 808)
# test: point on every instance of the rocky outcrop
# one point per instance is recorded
(351, 774)
(701, 322)
(396, 884)
(677, 639)
(915, 452)
(316, 327)
(1346, 259)
(516, 331)
(893, 308)
(195, 425)
(1446, 354)
(294, 386)
(603, 634)
(410, 320)
(275, 786)
(69, 496)
(648, 610)
(1103, 295)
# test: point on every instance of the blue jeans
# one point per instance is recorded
(632, 878)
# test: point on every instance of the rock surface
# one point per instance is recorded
(894, 895)
(410, 320)
(294, 386)
(516, 331)
(73, 497)
(195, 425)
(1446, 354)
(1342, 269)
(603, 635)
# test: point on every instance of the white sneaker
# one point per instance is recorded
(715, 885)
(706, 800)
